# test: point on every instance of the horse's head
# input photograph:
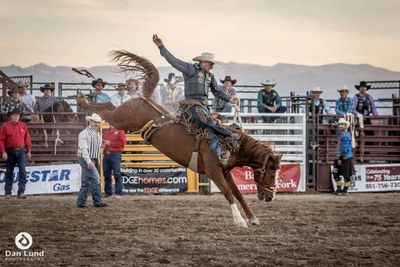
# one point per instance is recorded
(265, 177)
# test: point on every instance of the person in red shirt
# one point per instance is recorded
(114, 142)
(14, 140)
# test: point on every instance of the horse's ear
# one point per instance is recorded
(276, 158)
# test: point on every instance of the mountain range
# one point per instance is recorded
(289, 77)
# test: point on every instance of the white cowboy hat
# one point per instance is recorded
(343, 88)
(22, 84)
(343, 121)
(205, 56)
(94, 117)
(316, 89)
(269, 82)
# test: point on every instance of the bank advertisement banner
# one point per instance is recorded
(154, 180)
(48, 179)
(289, 179)
(375, 178)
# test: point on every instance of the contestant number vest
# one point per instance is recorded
(196, 86)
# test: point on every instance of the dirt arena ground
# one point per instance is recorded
(193, 230)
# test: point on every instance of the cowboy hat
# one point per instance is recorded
(99, 80)
(121, 85)
(170, 76)
(316, 90)
(269, 82)
(362, 83)
(94, 117)
(343, 88)
(22, 84)
(205, 56)
(13, 89)
(15, 111)
(228, 79)
(343, 121)
(46, 86)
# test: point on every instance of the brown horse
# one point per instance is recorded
(174, 141)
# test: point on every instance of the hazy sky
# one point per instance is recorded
(310, 32)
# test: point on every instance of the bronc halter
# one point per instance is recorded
(268, 188)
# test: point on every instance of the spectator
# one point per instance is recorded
(133, 88)
(363, 103)
(15, 102)
(318, 104)
(28, 99)
(97, 96)
(89, 143)
(269, 101)
(47, 100)
(114, 141)
(220, 105)
(170, 95)
(118, 98)
(344, 104)
(343, 165)
(14, 140)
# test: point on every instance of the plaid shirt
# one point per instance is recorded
(344, 106)
(10, 105)
(344, 149)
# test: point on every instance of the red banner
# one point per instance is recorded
(288, 178)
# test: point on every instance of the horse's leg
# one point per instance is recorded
(216, 174)
(235, 191)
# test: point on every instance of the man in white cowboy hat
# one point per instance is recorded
(344, 105)
(14, 101)
(89, 144)
(221, 105)
(47, 100)
(198, 80)
(97, 95)
(28, 99)
(121, 96)
(364, 103)
(269, 101)
(318, 105)
(343, 165)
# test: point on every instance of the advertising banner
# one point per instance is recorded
(154, 180)
(289, 179)
(375, 178)
(48, 179)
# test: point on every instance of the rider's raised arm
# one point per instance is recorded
(184, 67)
(217, 92)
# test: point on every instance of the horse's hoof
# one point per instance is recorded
(254, 221)
(241, 223)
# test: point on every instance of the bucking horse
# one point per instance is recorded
(171, 138)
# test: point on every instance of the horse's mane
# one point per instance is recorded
(141, 67)
(251, 145)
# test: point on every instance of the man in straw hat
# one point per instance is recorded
(15, 144)
(89, 143)
(15, 102)
(221, 105)
(318, 105)
(121, 96)
(97, 95)
(171, 94)
(343, 165)
(344, 105)
(47, 100)
(198, 80)
(28, 99)
(132, 86)
(269, 101)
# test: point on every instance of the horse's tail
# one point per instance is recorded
(134, 63)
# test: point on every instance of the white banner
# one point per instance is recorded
(375, 178)
(47, 179)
